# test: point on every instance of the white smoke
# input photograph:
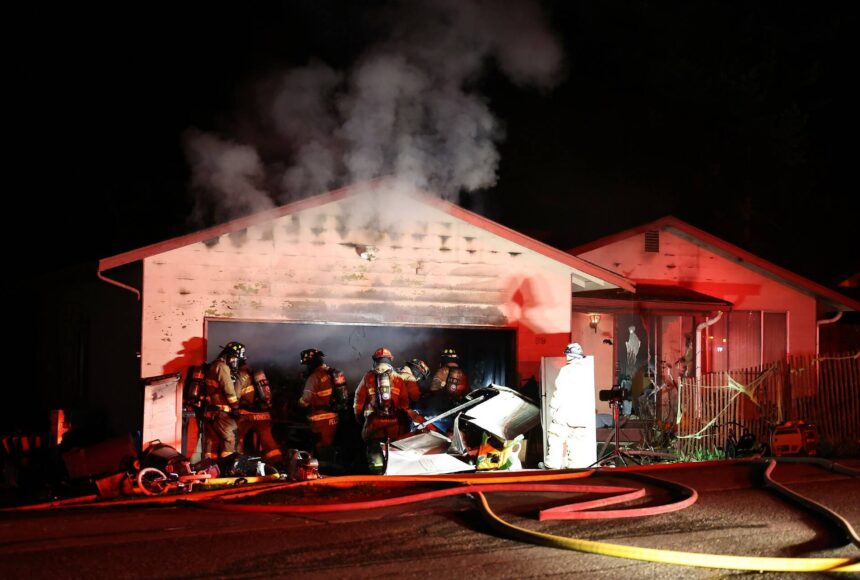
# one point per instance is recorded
(409, 108)
(228, 173)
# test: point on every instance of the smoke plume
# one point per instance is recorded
(409, 107)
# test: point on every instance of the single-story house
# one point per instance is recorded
(377, 264)
(700, 305)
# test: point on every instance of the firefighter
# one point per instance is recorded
(220, 426)
(381, 402)
(413, 373)
(447, 388)
(571, 433)
(255, 402)
(449, 377)
(317, 398)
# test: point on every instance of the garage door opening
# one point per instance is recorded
(486, 354)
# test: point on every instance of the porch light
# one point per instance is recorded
(593, 320)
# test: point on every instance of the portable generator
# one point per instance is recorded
(794, 438)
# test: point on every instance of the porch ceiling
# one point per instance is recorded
(657, 299)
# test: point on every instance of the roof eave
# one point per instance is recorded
(730, 251)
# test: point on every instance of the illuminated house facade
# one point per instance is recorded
(735, 309)
(354, 269)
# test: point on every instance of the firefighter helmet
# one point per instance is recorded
(236, 349)
(310, 355)
(449, 355)
(382, 354)
(420, 370)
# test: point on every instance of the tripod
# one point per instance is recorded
(616, 452)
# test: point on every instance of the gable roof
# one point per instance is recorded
(589, 270)
(730, 251)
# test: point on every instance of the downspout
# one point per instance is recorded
(120, 284)
(708, 322)
(818, 325)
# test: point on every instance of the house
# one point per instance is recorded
(346, 272)
(701, 305)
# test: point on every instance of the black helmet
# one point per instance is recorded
(311, 355)
(236, 349)
(420, 370)
(449, 355)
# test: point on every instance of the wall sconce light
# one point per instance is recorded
(366, 252)
(593, 321)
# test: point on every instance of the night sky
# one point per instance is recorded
(738, 117)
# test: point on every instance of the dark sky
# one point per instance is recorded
(738, 117)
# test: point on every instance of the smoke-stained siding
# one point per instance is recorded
(432, 270)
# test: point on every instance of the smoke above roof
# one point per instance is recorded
(408, 108)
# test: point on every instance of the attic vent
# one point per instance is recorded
(652, 241)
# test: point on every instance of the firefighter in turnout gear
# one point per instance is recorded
(381, 403)
(413, 373)
(255, 401)
(450, 378)
(317, 398)
(447, 389)
(221, 430)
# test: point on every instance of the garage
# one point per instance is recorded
(379, 263)
(487, 354)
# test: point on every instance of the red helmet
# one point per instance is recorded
(381, 354)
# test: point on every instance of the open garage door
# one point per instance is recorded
(487, 355)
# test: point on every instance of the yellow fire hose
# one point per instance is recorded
(669, 556)
(700, 560)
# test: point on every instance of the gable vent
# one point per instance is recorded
(652, 241)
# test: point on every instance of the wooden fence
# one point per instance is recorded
(824, 391)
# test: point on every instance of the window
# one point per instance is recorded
(745, 339)
(756, 338)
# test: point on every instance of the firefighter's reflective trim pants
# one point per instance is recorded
(263, 430)
(221, 433)
(324, 428)
(380, 428)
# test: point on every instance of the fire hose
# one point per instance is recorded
(478, 485)
(538, 483)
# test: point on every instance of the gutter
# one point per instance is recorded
(818, 325)
(118, 283)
